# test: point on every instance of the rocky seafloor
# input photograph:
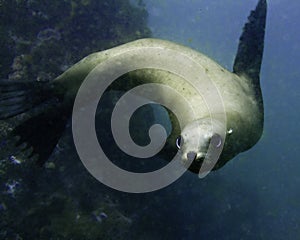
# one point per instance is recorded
(59, 200)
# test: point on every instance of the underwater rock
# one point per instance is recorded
(100, 217)
(48, 34)
(50, 165)
(2, 207)
(39, 40)
(11, 187)
(14, 160)
(62, 32)
(19, 69)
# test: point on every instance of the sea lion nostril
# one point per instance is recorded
(191, 156)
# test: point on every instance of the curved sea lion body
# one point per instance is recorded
(239, 90)
(243, 111)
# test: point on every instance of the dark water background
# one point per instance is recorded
(260, 188)
(255, 196)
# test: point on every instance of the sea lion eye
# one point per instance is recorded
(216, 140)
(179, 141)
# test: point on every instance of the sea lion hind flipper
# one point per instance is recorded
(48, 114)
(250, 51)
(43, 131)
(17, 97)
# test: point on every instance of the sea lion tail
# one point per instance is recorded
(47, 114)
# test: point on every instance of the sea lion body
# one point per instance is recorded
(239, 90)
(243, 113)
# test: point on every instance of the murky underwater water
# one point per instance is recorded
(255, 196)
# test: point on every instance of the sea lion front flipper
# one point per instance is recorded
(250, 51)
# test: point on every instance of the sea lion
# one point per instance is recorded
(240, 91)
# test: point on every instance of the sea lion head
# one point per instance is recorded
(196, 137)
